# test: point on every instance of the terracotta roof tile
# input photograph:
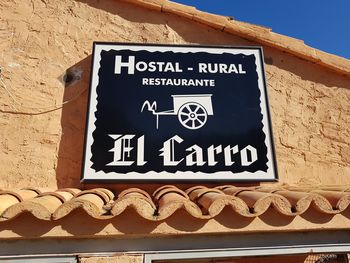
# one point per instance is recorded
(258, 34)
(95, 202)
(39, 202)
(169, 199)
(199, 201)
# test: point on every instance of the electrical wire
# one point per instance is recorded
(37, 110)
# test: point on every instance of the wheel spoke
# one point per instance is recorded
(192, 115)
(200, 121)
(196, 109)
(186, 119)
(188, 108)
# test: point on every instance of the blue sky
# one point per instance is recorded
(322, 24)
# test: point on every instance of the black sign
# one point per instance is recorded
(178, 113)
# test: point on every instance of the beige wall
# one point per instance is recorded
(114, 259)
(41, 39)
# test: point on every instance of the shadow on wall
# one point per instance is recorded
(306, 70)
(77, 79)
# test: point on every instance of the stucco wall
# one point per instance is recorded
(114, 259)
(311, 121)
(41, 39)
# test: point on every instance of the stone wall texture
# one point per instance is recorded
(42, 119)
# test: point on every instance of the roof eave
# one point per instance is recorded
(258, 34)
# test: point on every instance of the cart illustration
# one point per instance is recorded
(192, 110)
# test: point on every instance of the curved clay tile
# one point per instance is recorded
(169, 199)
(332, 202)
(134, 191)
(197, 192)
(194, 188)
(260, 202)
(62, 196)
(199, 201)
(159, 192)
(332, 197)
(106, 194)
(269, 189)
(196, 195)
(137, 199)
(91, 201)
(166, 186)
(6, 201)
(215, 202)
(279, 203)
(11, 198)
(73, 191)
(232, 190)
(21, 195)
(329, 203)
(170, 202)
(299, 201)
(39, 190)
(41, 207)
(344, 202)
(321, 204)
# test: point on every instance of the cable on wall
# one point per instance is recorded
(70, 78)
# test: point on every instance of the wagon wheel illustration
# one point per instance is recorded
(192, 115)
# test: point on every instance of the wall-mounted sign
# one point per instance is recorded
(184, 113)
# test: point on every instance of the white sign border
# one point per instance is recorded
(90, 175)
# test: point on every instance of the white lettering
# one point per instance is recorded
(130, 64)
(141, 66)
(178, 82)
(228, 152)
(248, 155)
(202, 68)
(195, 157)
(168, 151)
(122, 156)
(233, 69)
(121, 150)
(220, 68)
(152, 66)
(141, 151)
(240, 68)
(177, 67)
(211, 154)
